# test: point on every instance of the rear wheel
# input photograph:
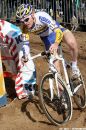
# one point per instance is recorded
(59, 109)
(80, 92)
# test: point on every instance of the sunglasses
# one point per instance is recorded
(25, 20)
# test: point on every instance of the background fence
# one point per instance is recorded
(66, 11)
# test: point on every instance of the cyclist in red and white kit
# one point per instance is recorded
(18, 45)
(50, 31)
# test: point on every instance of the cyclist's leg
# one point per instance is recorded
(70, 40)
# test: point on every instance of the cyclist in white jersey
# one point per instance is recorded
(50, 31)
(18, 45)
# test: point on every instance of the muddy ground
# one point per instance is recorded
(27, 115)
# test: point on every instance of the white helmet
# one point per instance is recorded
(23, 10)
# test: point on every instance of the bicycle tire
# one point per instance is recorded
(80, 95)
(43, 97)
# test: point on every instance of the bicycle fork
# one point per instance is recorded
(54, 89)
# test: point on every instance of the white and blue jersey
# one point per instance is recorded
(44, 26)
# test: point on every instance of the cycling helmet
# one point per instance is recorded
(23, 10)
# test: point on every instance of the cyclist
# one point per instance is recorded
(50, 31)
(18, 45)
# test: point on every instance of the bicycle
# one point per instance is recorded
(55, 94)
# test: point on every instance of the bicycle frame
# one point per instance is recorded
(60, 58)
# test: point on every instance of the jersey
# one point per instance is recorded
(45, 26)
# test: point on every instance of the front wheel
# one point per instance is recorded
(59, 109)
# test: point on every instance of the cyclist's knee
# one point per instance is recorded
(71, 42)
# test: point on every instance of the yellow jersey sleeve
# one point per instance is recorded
(59, 35)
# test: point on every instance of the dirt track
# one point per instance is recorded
(27, 115)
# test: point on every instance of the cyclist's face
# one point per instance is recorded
(28, 21)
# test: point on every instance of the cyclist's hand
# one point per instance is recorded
(24, 59)
(53, 48)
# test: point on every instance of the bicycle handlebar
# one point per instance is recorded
(45, 53)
